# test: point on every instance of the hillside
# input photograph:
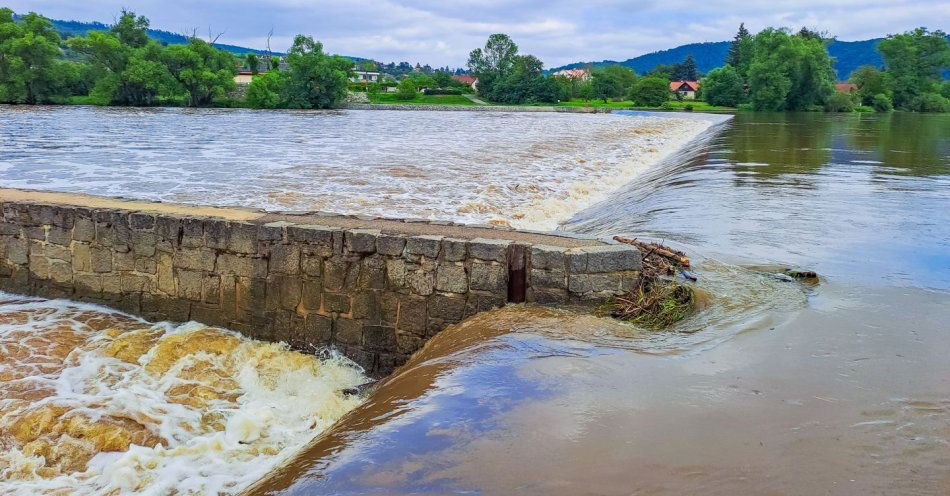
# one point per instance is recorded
(69, 29)
(848, 55)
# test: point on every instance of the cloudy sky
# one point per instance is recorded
(442, 32)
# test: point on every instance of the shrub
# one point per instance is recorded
(863, 108)
(688, 107)
(839, 102)
(265, 90)
(930, 102)
(882, 103)
(650, 91)
(745, 107)
(406, 90)
(813, 108)
(723, 86)
(373, 89)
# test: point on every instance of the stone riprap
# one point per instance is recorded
(375, 289)
(475, 108)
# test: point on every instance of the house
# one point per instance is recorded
(686, 89)
(244, 77)
(578, 74)
(365, 77)
(465, 79)
(846, 87)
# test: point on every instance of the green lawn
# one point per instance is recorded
(698, 106)
(421, 99)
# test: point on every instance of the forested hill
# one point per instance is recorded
(70, 29)
(848, 55)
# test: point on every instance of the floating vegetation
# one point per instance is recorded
(657, 301)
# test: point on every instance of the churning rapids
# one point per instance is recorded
(97, 402)
(527, 170)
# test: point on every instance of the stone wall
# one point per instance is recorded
(375, 294)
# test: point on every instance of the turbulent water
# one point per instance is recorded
(530, 170)
(97, 402)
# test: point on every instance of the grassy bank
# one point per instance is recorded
(421, 99)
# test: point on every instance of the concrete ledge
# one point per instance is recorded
(374, 288)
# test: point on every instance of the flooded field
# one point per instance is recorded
(97, 402)
(528, 170)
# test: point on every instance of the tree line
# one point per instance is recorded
(777, 70)
(124, 66)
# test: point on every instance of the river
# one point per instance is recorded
(773, 388)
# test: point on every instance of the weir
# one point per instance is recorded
(375, 289)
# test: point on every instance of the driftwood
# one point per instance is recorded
(677, 257)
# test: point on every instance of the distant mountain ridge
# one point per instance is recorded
(849, 55)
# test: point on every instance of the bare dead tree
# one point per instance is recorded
(215, 38)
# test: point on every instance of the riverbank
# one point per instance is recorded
(474, 108)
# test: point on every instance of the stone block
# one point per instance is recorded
(311, 264)
(379, 338)
(275, 232)
(447, 308)
(488, 277)
(189, 284)
(165, 273)
(16, 250)
(336, 302)
(140, 221)
(548, 257)
(123, 261)
(361, 240)
(426, 246)
(612, 258)
(194, 259)
(241, 265)
(133, 283)
(312, 234)
(412, 315)
(547, 296)
(87, 284)
(348, 331)
(489, 249)
(59, 236)
(310, 294)
(396, 273)
(576, 260)
(242, 237)
(101, 259)
(334, 274)
(579, 283)
(390, 244)
(284, 259)
(211, 288)
(316, 331)
(548, 279)
(372, 273)
(407, 344)
(421, 282)
(365, 305)
(451, 278)
(60, 271)
(454, 250)
(143, 243)
(39, 265)
(84, 230)
(111, 284)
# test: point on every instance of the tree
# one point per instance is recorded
(839, 102)
(496, 59)
(202, 70)
(266, 90)
(606, 85)
(367, 65)
(882, 103)
(624, 75)
(723, 86)
(131, 30)
(253, 63)
(29, 69)
(789, 72)
(650, 91)
(442, 79)
(687, 70)
(914, 62)
(871, 82)
(314, 79)
(406, 89)
(739, 49)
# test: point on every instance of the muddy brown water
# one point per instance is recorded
(775, 388)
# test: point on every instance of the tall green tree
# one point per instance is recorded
(723, 86)
(29, 69)
(914, 61)
(686, 71)
(739, 49)
(204, 71)
(789, 72)
(266, 90)
(496, 59)
(131, 30)
(606, 85)
(315, 79)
